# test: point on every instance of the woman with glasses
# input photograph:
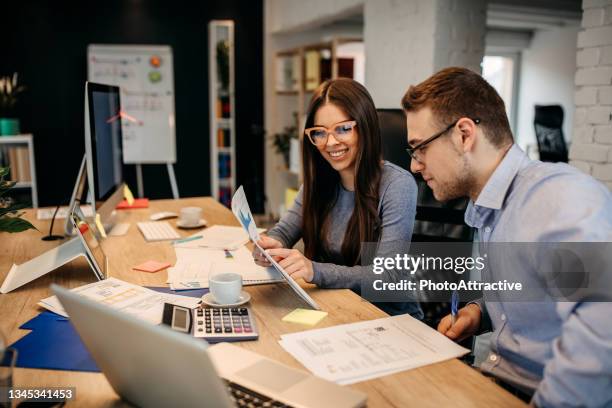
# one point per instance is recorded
(349, 196)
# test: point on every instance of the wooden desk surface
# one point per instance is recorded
(449, 383)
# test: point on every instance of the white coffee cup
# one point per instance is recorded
(190, 216)
(225, 287)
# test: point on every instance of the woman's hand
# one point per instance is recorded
(265, 242)
(294, 263)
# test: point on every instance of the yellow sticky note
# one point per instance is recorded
(127, 194)
(305, 316)
(100, 226)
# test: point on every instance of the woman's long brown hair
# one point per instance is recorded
(321, 181)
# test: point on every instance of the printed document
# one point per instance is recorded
(193, 268)
(217, 236)
(242, 211)
(136, 300)
(356, 352)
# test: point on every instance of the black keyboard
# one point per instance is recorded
(244, 397)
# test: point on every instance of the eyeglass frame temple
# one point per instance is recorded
(412, 150)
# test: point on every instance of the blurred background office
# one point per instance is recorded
(551, 60)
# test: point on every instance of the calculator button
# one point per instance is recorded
(227, 329)
(218, 330)
(200, 322)
(237, 329)
(215, 312)
(200, 329)
(200, 313)
(208, 330)
(248, 330)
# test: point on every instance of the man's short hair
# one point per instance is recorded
(456, 92)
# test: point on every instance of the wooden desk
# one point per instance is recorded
(449, 383)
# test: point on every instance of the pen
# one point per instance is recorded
(454, 306)
(180, 241)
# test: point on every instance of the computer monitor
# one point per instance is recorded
(103, 150)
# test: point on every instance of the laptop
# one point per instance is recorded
(155, 366)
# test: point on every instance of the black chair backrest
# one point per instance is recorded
(393, 133)
(548, 124)
(435, 221)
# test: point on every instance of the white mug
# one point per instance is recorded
(190, 216)
(225, 287)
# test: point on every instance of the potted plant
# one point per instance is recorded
(9, 89)
(282, 140)
(10, 217)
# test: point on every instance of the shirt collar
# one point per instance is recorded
(494, 193)
(495, 190)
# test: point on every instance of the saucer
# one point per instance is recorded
(200, 224)
(210, 300)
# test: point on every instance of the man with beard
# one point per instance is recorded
(556, 353)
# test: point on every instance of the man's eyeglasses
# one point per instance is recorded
(416, 151)
(342, 131)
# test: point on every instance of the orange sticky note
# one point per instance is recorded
(152, 266)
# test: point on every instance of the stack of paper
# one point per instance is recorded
(217, 236)
(356, 352)
(140, 302)
(193, 267)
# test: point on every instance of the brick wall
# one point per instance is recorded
(591, 149)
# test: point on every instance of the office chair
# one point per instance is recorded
(435, 221)
(548, 122)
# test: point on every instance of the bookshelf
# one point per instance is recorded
(18, 153)
(222, 110)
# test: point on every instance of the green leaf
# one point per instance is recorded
(3, 171)
(13, 209)
(15, 224)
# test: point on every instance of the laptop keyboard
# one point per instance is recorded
(244, 397)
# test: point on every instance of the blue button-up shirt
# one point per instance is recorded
(563, 350)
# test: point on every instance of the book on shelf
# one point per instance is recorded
(223, 137)
(18, 163)
(313, 70)
(225, 165)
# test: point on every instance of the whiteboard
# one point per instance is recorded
(146, 78)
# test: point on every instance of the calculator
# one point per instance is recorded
(214, 324)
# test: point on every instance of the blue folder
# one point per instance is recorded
(54, 344)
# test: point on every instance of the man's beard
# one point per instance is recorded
(461, 186)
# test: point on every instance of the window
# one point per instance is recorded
(501, 71)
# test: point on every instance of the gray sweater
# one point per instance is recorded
(396, 208)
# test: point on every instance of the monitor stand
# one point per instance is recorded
(77, 196)
(19, 275)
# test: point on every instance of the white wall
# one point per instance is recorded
(547, 77)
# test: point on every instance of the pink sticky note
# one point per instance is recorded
(152, 266)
